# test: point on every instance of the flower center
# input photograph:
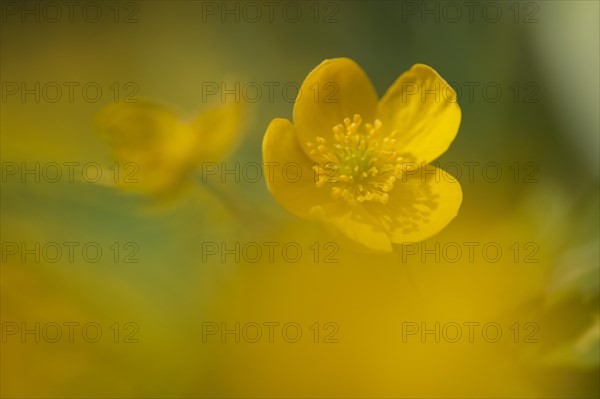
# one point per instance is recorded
(361, 163)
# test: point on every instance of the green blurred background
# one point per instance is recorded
(170, 50)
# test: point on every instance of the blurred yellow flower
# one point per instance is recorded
(371, 179)
(155, 152)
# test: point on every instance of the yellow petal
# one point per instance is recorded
(152, 148)
(422, 108)
(420, 205)
(336, 89)
(135, 126)
(288, 170)
(219, 131)
(355, 224)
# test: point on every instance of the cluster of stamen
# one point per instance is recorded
(362, 164)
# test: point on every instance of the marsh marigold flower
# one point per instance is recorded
(156, 152)
(365, 163)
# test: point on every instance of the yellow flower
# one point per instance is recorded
(156, 152)
(365, 162)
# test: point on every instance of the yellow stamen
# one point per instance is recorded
(367, 164)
